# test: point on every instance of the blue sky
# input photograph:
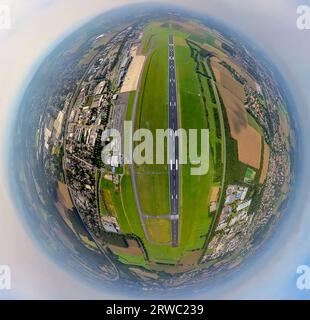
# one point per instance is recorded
(271, 24)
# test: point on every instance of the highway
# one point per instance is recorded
(173, 143)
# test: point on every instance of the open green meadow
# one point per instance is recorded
(152, 113)
(197, 110)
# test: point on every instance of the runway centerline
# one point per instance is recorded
(173, 146)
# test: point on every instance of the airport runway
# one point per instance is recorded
(173, 147)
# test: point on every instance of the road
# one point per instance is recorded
(173, 146)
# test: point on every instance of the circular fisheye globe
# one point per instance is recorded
(155, 150)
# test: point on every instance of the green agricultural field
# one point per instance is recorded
(196, 111)
(249, 175)
(159, 230)
(208, 38)
(110, 200)
(130, 105)
(255, 125)
(132, 260)
(129, 221)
